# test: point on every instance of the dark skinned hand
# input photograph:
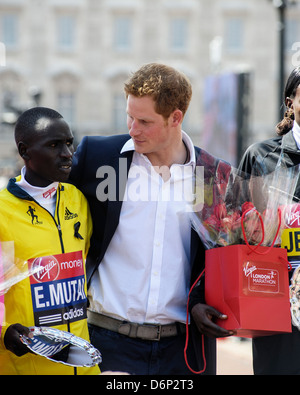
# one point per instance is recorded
(12, 339)
(204, 317)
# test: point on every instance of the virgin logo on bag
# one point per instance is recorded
(249, 286)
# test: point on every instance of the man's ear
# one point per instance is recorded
(177, 117)
(22, 149)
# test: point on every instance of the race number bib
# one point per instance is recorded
(57, 289)
(290, 237)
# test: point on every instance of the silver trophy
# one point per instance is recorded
(63, 347)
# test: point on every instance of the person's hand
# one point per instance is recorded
(12, 339)
(204, 317)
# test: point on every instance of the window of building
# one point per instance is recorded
(2, 54)
(122, 34)
(234, 35)
(66, 32)
(292, 34)
(10, 30)
(178, 34)
(66, 106)
(119, 113)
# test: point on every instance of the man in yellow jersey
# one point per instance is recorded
(49, 222)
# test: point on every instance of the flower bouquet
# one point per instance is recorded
(240, 221)
(12, 271)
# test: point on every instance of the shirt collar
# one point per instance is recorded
(129, 146)
(37, 192)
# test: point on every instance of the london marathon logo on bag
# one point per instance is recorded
(263, 278)
(58, 289)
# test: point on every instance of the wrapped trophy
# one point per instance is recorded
(63, 347)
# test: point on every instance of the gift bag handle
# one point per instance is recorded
(253, 249)
(187, 332)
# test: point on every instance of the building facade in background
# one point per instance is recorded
(74, 56)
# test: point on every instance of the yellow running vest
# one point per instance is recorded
(56, 295)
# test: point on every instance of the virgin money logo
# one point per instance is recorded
(45, 269)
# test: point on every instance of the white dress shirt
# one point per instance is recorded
(145, 273)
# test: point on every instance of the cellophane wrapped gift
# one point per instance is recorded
(241, 220)
(12, 271)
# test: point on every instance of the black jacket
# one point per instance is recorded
(261, 158)
(277, 354)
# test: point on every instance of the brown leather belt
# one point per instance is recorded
(131, 329)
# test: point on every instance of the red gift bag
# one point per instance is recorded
(250, 286)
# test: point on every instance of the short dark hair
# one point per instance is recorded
(27, 121)
(292, 83)
(290, 90)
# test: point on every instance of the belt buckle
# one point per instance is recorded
(158, 333)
